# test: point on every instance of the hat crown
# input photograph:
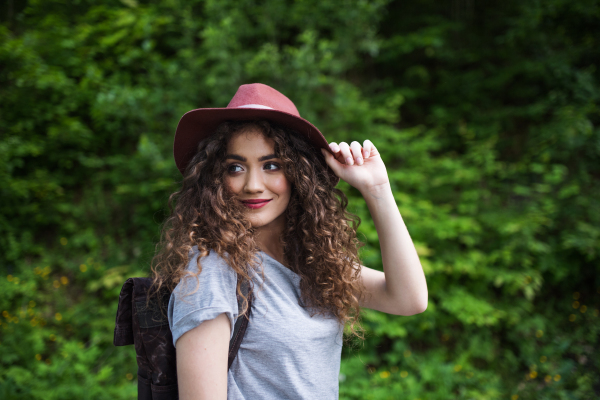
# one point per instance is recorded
(257, 94)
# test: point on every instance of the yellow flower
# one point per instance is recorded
(583, 309)
(533, 374)
(58, 316)
(575, 304)
(63, 241)
(64, 280)
(547, 378)
(572, 317)
(129, 376)
(556, 378)
(83, 267)
(38, 357)
(514, 397)
(407, 353)
(384, 374)
(9, 278)
(404, 374)
(539, 333)
(457, 368)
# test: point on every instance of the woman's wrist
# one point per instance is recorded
(377, 192)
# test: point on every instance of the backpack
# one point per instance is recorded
(147, 328)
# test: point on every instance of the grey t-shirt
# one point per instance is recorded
(286, 353)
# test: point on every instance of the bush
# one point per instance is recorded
(486, 116)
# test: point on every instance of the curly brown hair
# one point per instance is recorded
(320, 241)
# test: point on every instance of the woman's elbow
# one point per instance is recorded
(421, 307)
(417, 307)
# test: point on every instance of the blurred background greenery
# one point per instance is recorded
(486, 114)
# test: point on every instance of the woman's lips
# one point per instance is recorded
(255, 203)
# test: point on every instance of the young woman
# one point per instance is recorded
(258, 206)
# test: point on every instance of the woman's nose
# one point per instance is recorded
(254, 182)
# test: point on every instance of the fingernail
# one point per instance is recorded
(367, 154)
(359, 160)
(349, 161)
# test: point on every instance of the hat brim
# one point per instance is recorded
(196, 125)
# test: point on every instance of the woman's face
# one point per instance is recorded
(255, 175)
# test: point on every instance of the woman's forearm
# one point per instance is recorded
(405, 283)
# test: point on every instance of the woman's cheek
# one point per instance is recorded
(281, 186)
(233, 185)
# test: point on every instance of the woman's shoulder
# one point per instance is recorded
(209, 267)
(211, 260)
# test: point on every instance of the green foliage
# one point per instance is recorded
(486, 116)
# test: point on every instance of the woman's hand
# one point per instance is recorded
(360, 166)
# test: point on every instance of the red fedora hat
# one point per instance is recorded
(251, 102)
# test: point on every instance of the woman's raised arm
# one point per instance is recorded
(202, 360)
(401, 289)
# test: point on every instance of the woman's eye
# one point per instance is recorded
(272, 166)
(234, 168)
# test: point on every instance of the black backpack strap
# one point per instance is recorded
(239, 329)
(123, 325)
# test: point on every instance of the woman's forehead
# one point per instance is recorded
(250, 141)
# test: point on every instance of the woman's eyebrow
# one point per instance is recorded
(267, 157)
(240, 158)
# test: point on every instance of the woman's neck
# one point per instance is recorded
(268, 238)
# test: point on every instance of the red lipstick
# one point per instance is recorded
(256, 203)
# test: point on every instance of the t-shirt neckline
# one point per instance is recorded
(279, 264)
(274, 260)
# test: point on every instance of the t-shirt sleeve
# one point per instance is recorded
(197, 300)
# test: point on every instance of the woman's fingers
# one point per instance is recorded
(369, 149)
(346, 154)
(353, 153)
(356, 149)
(337, 154)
